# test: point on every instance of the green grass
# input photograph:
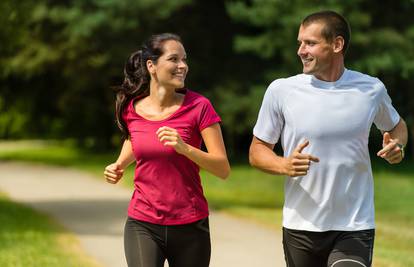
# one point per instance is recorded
(28, 238)
(55, 153)
(257, 196)
(394, 196)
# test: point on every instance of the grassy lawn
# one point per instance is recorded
(257, 196)
(394, 193)
(28, 238)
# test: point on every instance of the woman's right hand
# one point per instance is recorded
(113, 173)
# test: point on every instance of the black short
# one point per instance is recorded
(149, 245)
(328, 249)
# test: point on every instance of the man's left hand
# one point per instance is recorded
(391, 151)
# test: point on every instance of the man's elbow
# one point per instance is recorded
(252, 158)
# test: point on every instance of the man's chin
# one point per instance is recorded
(308, 70)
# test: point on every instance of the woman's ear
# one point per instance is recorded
(150, 66)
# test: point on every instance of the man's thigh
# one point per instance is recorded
(305, 249)
(328, 249)
(353, 249)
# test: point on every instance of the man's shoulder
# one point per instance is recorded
(359, 77)
(282, 83)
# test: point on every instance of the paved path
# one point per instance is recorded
(95, 211)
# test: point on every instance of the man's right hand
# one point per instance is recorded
(298, 164)
(113, 173)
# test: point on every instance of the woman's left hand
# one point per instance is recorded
(170, 137)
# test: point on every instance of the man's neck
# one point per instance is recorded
(333, 72)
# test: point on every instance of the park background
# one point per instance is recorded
(59, 60)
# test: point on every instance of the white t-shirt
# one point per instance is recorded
(336, 117)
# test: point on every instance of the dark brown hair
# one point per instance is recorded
(334, 25)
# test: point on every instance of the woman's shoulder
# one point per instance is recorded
(128, 110)
(195, 98)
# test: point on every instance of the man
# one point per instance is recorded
(323, 118)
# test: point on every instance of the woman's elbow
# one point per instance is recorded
(225, 172)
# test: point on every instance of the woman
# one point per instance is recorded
(165, 126)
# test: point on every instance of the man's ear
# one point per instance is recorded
(338, 43)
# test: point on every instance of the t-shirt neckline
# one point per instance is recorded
(329, 85)
(185, 92)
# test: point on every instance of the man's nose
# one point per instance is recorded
(301, 50)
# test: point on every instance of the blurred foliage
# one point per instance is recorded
(382, 42)
(58, 59)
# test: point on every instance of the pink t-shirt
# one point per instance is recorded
(168, 188)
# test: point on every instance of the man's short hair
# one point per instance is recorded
(334, 25)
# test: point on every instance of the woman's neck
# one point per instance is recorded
(163, 97)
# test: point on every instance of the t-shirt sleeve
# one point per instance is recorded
(387, 116)
(270, 120)
(208, 116)
(127, 113)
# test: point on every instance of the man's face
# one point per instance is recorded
(315, 51)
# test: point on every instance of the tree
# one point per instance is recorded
(60, 58)
(73, 51)
(380, 47)
(63, 59)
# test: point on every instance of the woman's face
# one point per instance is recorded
(171, 67)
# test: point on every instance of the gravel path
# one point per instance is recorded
(95, 211)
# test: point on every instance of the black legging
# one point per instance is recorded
(149, 245)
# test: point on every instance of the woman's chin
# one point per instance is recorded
(175, 84)
(180, 85)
